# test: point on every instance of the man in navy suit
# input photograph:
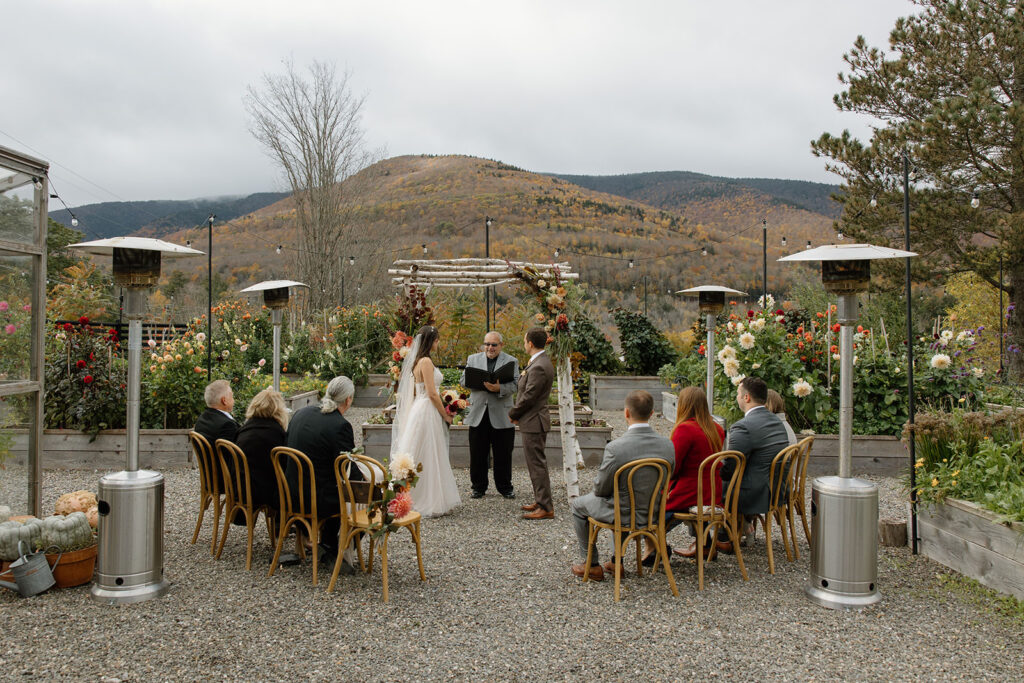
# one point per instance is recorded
(216, 422)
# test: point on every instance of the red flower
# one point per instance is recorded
(835, 328)
(396, 356)
(80, 364)
(803, 358)
(112, 333)
(779, 312)
(860, 328)
(84, 320)
(91, 356)
(67, 327)
(562, 322)
(87, 379)
(820, 314)
(702, 350)
(750, 314)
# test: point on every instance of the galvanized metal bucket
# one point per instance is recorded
(32, 573)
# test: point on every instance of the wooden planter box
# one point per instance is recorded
(376, 393)
(300, 401)
(668, 405)
(872, 454)
(377, 442)
(71, 449)
(967, 538)
(608, 392)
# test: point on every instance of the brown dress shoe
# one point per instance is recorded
(725, 547)
(691, 552)
(531, 507)
(609, 567)
(596, 573)
(540, 513)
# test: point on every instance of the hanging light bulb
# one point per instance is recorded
(975, 201)
(912, 175)
(783, 240)
(279, 249)
(37, 183)
(630, 263)
(808, 244)
(557, 252)
(424, 249)
(874, 202)
(703, 251)
(188, 243)
(839, 234)
(74, 222)
(351, 260)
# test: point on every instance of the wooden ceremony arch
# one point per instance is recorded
(485, 272)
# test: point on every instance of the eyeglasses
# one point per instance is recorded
(492, 344)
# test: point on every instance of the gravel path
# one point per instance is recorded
(499, 603)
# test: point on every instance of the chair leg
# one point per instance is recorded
(701, 531)
(223, 533)
(781, 517)
(663, 552)
(314, 540)
(218, 504)
(250, 522)
(791, 514)
(767, 523)
(591, 537)
(807, 530)
(735, 538)
(617, 565)
(277, 548)
(369, 558)
(204, 502)
(639, 560)
(415, 529)
(337, 570)
(384, 564)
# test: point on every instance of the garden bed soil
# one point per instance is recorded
(608, 392)
(968, 539)
(377, 443)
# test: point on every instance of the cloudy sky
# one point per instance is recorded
(136, 99)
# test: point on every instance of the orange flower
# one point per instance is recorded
(809, 336)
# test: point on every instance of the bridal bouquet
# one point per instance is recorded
(455, 403)
(400, 475)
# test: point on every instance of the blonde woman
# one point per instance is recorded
(775, 404)
(265, 422)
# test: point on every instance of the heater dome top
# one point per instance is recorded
(105, 247)
(710, 288)
(847, 252)
(273, 284)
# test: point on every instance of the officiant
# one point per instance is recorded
(491, 377)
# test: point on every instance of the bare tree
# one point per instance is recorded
(311, 125)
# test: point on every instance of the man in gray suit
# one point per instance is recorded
(531, 413)
(760, 435)
(639, 441)
(490, 428)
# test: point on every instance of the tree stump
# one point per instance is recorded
(892, 532)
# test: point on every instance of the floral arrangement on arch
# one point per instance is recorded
(558, 302)
(401, 475)
(400, 345)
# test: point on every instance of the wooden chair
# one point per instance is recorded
(798, 495)
(234, 468)
(779, 483)
(654, 529)
(355, 497)
(293, 508)
(707, 517)
(210, 489)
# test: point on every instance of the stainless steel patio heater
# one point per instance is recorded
(130, 561)
(275, 297)
(844, 509)
(711, 301)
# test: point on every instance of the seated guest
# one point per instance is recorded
(639, 441)
(264, 430)
(759, 436)
(321, 433)
(695, 437)
(776, 405)
(216, 422)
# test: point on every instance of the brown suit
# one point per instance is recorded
(531, 411)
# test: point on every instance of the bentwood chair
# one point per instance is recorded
(798, 492)
(234, 468)
(294, 510)
(355, 498)
(779, 481)
(210, 490)
(654, 529)
(707, 517)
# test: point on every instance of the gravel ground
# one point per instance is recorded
(500, 603)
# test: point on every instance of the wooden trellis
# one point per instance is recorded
(485, 272)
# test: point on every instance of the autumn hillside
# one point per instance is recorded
(441, 201)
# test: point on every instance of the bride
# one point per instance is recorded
(420, 427)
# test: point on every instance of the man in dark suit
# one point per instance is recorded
(531, 413)
(639, 441)
(760, 435)
(321, 432)
(490, 429)
(216, 421)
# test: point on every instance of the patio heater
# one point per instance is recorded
(844, 509)
(711, 301)
(130, 562)
(275, 297)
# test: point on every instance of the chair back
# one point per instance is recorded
(234, 469)
(780, 475)
(209, 469)
(293, 503)
(800, 470)
(640, 476)
(711, 470)
(359, 492)
(731, 496)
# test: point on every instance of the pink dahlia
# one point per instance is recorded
(400, 505)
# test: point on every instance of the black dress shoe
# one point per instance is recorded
(510, 495)
(649, 560)
(477, 494)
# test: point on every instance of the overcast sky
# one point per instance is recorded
(136, 99)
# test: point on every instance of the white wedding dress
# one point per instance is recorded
(424, 436)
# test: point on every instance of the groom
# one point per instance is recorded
(489, 426)
(531, 414)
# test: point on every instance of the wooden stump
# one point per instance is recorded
(892, 532)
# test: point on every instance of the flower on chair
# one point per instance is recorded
(402, 466)
(401, 505)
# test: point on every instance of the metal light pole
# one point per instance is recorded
(209, 297)
(912, 445)
(341, 266)
(131, 503)
(645, 296)
(711, 301)
(275, 297)
(844, 510)
(487, 254)
(764, 263)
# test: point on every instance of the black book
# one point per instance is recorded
(475, 377)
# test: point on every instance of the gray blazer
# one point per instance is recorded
(759, 436)
(635, 444)
(497, 405)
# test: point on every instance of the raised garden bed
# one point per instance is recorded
(71, 449)
(872, 454)
(968, 539)
(608, 392)
(377, 443)
(376, 393)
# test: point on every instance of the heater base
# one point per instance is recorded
(123, 596)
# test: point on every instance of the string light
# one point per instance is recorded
(630, 263)
(808, 244)
(839, 234)
(703, 251)
(188, 243)
(557, 252)
(74, 221)
(783, 240)
(975, 201)
(37, 183)
(874, 202)
(279, 249)
(424, 249)
(351, 260)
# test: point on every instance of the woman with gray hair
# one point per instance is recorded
(321, 432)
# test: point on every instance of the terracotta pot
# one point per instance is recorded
(75, 568)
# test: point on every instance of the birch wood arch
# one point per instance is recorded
(490, 272)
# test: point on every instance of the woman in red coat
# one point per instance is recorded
(696, 436)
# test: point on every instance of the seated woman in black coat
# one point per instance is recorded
(264, 429)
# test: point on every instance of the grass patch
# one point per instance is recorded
(988, 600)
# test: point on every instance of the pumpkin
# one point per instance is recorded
(93, 515)
(11, 532)
(76, 501)
(71, 532)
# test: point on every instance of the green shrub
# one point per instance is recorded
(644, 348)
(596, 353)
